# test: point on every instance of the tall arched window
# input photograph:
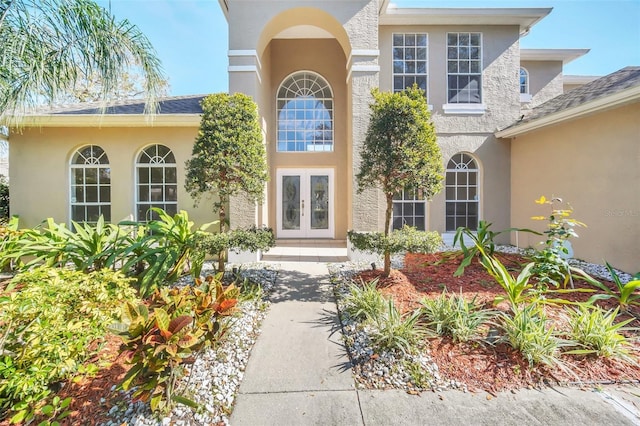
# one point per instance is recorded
(462, 190)
(524, 81)
(90, 191)
(305, 114)
(156, 182)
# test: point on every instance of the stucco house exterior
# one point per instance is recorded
(310, 66)
(584, 146)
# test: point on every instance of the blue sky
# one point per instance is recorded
(190, 36)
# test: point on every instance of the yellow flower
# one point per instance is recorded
(541, 200)
(538, 217)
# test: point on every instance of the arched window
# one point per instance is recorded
(90, 191)
(156, 182)
(305, 114)
(462, 188)
(524, 81)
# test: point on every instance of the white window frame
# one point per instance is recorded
(318, 85)
(462, 166)
(90, 162)
(464, 107)
(404, 199)
(414, 74)
(525, 96)
(156, 161)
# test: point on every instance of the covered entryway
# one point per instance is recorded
(305, 203)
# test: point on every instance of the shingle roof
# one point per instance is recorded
(605, 86)
(189, 104)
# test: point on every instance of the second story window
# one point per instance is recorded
(524, 81)
(409, 61)
(525, 95)
(464, 68)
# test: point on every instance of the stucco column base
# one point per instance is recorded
(244, 256)
(360, 256)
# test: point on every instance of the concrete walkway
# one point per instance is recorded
(299, 374)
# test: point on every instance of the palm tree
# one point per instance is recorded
(48, 46)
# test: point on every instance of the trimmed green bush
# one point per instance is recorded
(48, 319)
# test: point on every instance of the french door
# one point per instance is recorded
(304, 205)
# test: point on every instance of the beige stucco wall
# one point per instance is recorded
(464, 132)
(40, 181)
(592, 163)
(545, 81)
(326, 58)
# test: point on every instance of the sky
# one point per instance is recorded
(190, 36)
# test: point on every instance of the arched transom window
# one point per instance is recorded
(462, 188)
(156, 182)
(305, 114)
(90, 191)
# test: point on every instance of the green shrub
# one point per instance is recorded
(407, 239)
(164, 250)
(518, 289)
(158, 338)
(48, 318)
(364, 301)
(625, 293)
(453, 316)
(251, 239)
(596, 330)
(528, 332)
(393, 331)
(4, 199)
(551, 266)
(483, 242)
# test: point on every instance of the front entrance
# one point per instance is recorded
(305, 203)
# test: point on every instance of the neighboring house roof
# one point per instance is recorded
(179, 111)
(616, 89)
(564, 55)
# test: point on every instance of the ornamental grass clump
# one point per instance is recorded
(528, 331)
(453, 316)
(394, 331)
(364, 302)
(596, 331)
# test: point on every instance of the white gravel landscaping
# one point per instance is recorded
(214, 378)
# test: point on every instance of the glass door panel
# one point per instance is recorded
(290, 202)
(319, 190)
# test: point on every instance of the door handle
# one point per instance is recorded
(302, 213)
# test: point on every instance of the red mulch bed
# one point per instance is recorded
(480, 365)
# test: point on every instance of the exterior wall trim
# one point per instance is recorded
(112, 120)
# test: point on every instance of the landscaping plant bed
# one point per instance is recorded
(496, 366)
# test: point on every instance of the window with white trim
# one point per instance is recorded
(156, 182)
(525, 96)
(305, 114)
(462, 192)
(524, 81)
(464, 68)
(410, 61)
(409, 208)
(90, 190)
